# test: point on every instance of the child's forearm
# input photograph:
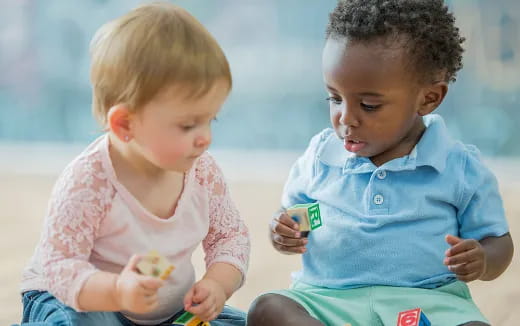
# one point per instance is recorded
(227, 275)
(499, 253)
(99, 293)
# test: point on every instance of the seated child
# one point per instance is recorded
(159, 79)
(409, 214)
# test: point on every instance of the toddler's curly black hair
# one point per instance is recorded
(432, 39)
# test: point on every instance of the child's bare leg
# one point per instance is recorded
(279, 310)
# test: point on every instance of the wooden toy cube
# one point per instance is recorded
(188, 319)
(306, 215)
(414, 317)
(153, 264)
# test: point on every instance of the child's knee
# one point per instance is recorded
(265, 306)
(274, 309)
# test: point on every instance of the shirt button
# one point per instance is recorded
(378, 199)
(381, 174)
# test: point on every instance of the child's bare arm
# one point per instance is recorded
(499, 253)
(227, 275)
(98, 293)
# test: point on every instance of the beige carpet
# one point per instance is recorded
(23, 200)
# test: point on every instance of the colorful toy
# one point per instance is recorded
(414, 317)
(155, 265)
(188, 319)
(307, 215)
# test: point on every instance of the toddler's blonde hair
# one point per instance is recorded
(149, 49)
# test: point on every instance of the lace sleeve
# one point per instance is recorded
(79, 201)
(228, 238)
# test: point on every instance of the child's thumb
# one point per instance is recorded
(132, 263)
(452, 240)
(188, 298)
(200, 294)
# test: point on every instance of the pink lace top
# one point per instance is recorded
(94, 223)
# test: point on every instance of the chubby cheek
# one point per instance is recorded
(173, 151)
(334, 121)
(168, 151)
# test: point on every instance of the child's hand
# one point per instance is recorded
(466, 258)
(205, 299)
(135, 292)
(285, 235)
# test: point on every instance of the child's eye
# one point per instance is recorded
(187, 127)
(368, 107)
(333, 100)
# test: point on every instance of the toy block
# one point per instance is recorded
(306, 215)
(153, 264)
(188, 319)
(414, 317)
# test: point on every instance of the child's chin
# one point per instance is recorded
(361, 153)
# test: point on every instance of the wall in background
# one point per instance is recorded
(274, 48)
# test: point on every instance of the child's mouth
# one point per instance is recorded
(354, 146)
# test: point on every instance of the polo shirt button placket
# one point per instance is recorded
(379, 199)
(381, 174)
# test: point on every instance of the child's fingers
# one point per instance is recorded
(466, 269)
(204, 308)
(461, 258)
(283, 229)
(468, 277)
(151, 300)
(461, 247)
(285, 219)
(200, 294)
(289, 242)
(465, 257)
(132, 263)
(452, 240)
(188, 298)
(150, 283)
(209, 315)
(292, 250)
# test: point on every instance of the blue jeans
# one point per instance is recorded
(43, 309)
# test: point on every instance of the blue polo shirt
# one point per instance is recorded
(386, 225)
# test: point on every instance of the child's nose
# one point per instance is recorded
(203, 140)
(348, 118)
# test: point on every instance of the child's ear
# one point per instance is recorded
(433, 96)
(119, 122)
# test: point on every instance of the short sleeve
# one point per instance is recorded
(296, 189)
(480, 210)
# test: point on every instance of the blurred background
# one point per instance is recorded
(277, 104)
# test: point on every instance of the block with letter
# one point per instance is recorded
(188, 319)
(414, 317)
(153, 264)
(307, 215)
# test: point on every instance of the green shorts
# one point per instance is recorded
(448, 305)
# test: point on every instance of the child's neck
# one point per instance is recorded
(157, 190)
(404, 147)
(126, 158)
